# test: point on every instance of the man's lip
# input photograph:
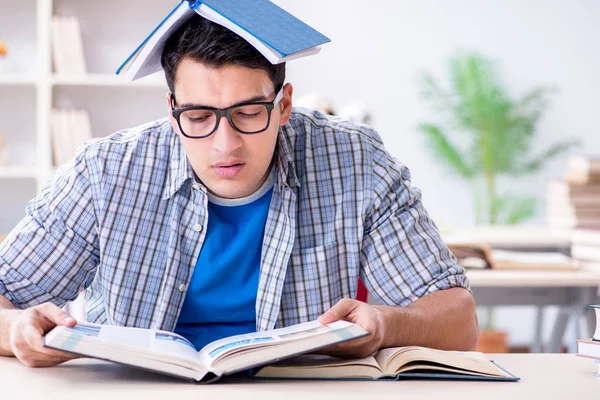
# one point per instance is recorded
(227, 164)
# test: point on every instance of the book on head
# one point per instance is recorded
(393, 364)
(275, 33)
(169, 353)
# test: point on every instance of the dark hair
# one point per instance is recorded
(215, 46)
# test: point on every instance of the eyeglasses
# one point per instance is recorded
(247, 118)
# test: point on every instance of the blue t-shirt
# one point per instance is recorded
(221, 298)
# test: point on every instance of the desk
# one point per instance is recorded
(543, 376)
(572, 291)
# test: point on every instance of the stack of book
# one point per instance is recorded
(574, 202)
(70, 129)
(67, 46)
(510, 247)
(585, 248)
(590, 348)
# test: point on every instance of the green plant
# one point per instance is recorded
(484, 134)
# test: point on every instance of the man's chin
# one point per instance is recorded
(229, 190)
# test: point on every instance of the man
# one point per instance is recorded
(234, 214)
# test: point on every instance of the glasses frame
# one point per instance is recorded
(225, 112)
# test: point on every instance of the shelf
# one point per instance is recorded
(18, 172)
(17, 80)
(156, 81)
(29, 89)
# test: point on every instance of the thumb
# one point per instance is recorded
(57, 315)
(340, 310)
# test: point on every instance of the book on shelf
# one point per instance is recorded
(504, 259)
(586, 237)
(569, 223)
(172, 354)
(585, 252)
(472, 255)
(507, 237)
(482, 255)
(574, 203)
(391, 364)
(583, 169)
(67, 46)
(586, 265)
(579, 213)
(560, 193)
(276, 34)
(70, 128)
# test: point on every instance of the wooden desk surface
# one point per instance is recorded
(539, 278)
(543, 376)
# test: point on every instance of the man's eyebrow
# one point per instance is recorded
(249, 100)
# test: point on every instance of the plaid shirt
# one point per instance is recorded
(126, 219)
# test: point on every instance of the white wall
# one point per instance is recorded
(378, 48)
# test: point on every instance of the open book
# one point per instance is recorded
(275, 33)
(392, 363)
(172, 354)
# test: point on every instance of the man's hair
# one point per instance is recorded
(204, 41)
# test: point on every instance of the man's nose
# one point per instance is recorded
(225, 138)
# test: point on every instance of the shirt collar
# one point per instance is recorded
(285, 161)
(180, 169)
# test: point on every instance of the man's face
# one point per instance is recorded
(230, 164)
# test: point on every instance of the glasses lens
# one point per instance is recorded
(250, 118)
(198, 123)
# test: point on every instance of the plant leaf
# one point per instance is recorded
(445, 151)
(440, 100)
(538, 161)
(536, 101)
(513, 210)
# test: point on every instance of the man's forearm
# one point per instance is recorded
(6, 311)
(444, 320)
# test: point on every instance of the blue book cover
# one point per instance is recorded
(269, 23)
(274, 32)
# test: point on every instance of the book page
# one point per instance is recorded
(224, 347)
(151, 349)
(397, 359)
(321, 367)
(146, 59)
(124, 339)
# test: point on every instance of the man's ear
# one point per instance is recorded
(171, 118)
(286, 104)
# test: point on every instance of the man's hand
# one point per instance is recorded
(368, 317)
(26, 328)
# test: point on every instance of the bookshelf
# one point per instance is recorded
(29, 87)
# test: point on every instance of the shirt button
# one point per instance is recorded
(197, 227)
(182, 287)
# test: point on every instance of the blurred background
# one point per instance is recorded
(492, 106)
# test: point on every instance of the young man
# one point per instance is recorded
(236, 213)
